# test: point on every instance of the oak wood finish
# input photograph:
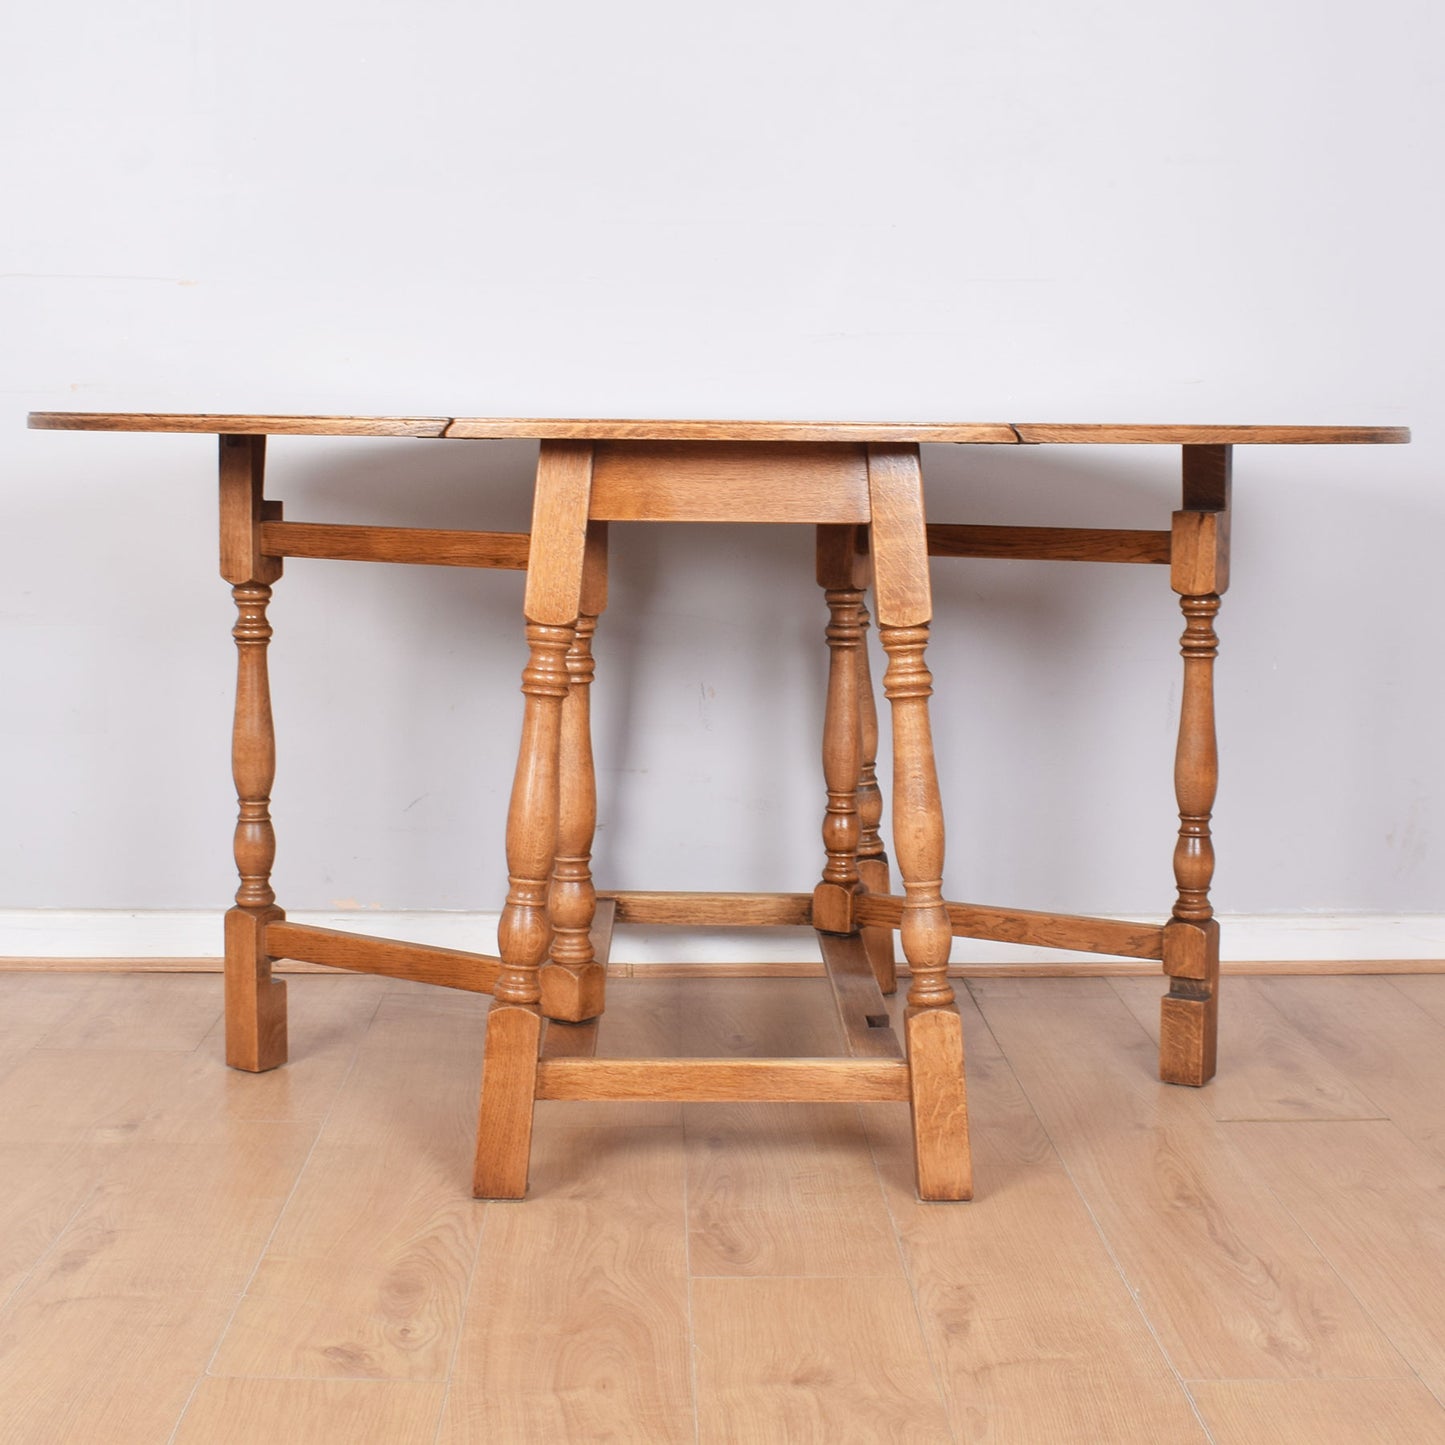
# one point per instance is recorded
(253, 752)
(713, 910)
(562, 1039)
(365, 953)
(862, 1009)
(573, 981)
(873, 871)
(729, 482)
(873, 866)
(614, 429)
(509, 1086)
(837, 564)
(1057, 930)
(1022, 925)
(1151, 434)
(859, 1081)
(241, 423)
(255, 1002)
(428, 546)
(552, 605)
(861, 482)
(1047, 544)
(932, 1030)
(1199, 573)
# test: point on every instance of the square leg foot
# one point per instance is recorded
(255, 1002)
(939, 1103)
(509, 1086)
(573, 993)
(1189, 1015)
(1188, 1040)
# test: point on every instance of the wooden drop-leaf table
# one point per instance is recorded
(861, 486)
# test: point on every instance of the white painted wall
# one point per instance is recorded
(935, 211)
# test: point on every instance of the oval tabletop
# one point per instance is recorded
(612, 429)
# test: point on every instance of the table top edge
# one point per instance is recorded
(622, 429)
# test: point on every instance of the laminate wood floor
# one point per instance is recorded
(194, 1255)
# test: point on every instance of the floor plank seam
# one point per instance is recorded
(1406, 994)
(218, 1018)
(1299, 1379)
(1263, 993)
(1089, 1208)
(935, 1366)
(687, 1267)
(1283, 1286)
(1325, 1258)
(276, 1224)
(1333, 1119)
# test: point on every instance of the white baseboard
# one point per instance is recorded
(61, 934)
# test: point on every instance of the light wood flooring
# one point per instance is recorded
(188, 1254)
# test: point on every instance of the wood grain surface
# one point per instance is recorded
(718, 1080)
(312, 1412)
(699, 481)
(365, 1276)
(1034, 1335)
(1318, 1412)
(1187, 1220)
(390, 957)
(1268, 1068)
(812, 1362)
(1048, 544)
(1027, 926)
(424, 545)
(599, 429)
(1134, 1270)
(1371, 1201)
(598, 1349)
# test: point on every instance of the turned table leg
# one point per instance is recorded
(514, 1021)
(872, 859)
(932, 1027)
(1189, 1021)
(573, 983)
(842, 730)
(255, 1002)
